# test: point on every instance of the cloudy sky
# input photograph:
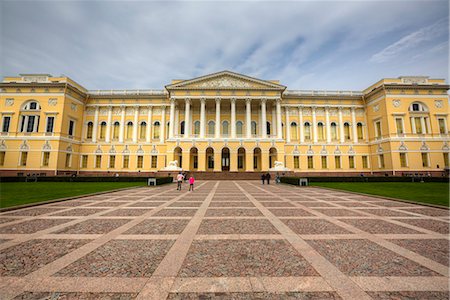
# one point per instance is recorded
(344, 45)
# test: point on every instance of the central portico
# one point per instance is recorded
(225, 122)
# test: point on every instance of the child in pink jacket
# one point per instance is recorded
(191, 183)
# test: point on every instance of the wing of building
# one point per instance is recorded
(223, 122)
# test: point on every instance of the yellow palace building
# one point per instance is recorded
(223, 122)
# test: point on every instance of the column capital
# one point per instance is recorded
(187, 100)
(340, 108)
(110, 108)
(233, 100)
(173, 100)
(353, 109)
(278, 100)
(263, 100)
(218, 100)
(248, 100)
(202, 100)
(150, 107)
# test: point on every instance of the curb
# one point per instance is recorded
(64, 199)
(386, 198)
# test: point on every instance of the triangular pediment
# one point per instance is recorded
(225, 80)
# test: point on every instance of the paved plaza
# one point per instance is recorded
(225, 240)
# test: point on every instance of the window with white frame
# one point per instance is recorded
(5, 123)
(50, 124)
(71, 131)
(381, 164)
(359, 130)
(378, 132)
(399, 125)
(68, 163)
(84, 161)
(442, 126)
(365, 161)
(45, 158)
(425, 159)
(403, 161)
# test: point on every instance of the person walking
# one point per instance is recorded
(263, 178)
(180, 178)
(268, 178)
(277, 179)
(191, 183)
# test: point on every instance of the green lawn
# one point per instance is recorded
(428, 192)
(18, 193)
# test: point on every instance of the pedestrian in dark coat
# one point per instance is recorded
(263, 177)
(268, 178)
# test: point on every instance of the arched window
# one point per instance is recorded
(320, 131)
(129, 130)
(347, 131)
(211, 127)
(418, 106)
(268, 128)
(293, 131)
(359, 128)
(102, 130)
(156, 130)
(90, 128)
(197, 127)
(182, 127)
(29, 122)
(307, 131)
(142, 130)
(239, 126)
(254, 130)
(225, 128)
(333, 129)
(32, 105)
(116, 128)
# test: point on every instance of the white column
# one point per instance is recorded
(187, 117)
(264, 118)
(163, 125)
(273, 129)
(83, 133)
(171, 118)
(314, 124)
(288, 126)
(94, 131)
(260, 124)
(202, 117)
(354, 128)
(300, 117)
(233, 118)
(341, 126)
(122, 124)
(413, 125)
(135, 124)
(108, 125)
(176, 128)
(327, 126)
(148, 133)
(279, 127)
(248, 119)
(217, 129)
(422, 122)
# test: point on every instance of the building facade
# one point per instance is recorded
(223, 122)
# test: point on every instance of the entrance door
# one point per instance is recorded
(225, 159)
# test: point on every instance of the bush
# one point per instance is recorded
(295, 180)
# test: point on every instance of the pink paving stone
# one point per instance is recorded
(353, 204)
(409, 295)
(316, 204)
(433, 225)
(277, 204)
(70, 203)
(365, 258)
(290, 212)
(73, 295)
(6, 220)
(241, 226)
(338, 212)
(227, 212)
(95, 226)
(158, 227)
(186, 204)
(120, 258)
(255, 295)
(384, 212)
(231, 204)
(176, 213)
(32, 211)
(308, 226)
(437, 250)
(24, 258)
(241, 258)
(377, 226)
(32, 225)
(79, 212)
(107, 204)
(125, 212)
(146, 204)
(391, 203)
(433, 212)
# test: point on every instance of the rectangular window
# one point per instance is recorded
(425, 162)
(140, 161)
(50, 122)
(154, 162)
(98, 161)
(378, 129)
(6, 122)
(30, 124)
(399, 124)
(71, 127)
(2, 158)
(112, 161)
(240, 162)
(23, 158)
(45, 159)
(337, 162)
(403, 160)
(68, 160)
(446, 162)
(195, 163)
(418, 125)
(381, 161)
(365, 162)
(84, 161)
(442, 127)
(296, 162)
(310, 162)
(211, 161)
(126, 161)
(324, 162)
(351, 162)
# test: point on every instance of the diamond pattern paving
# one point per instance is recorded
(225, 240)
